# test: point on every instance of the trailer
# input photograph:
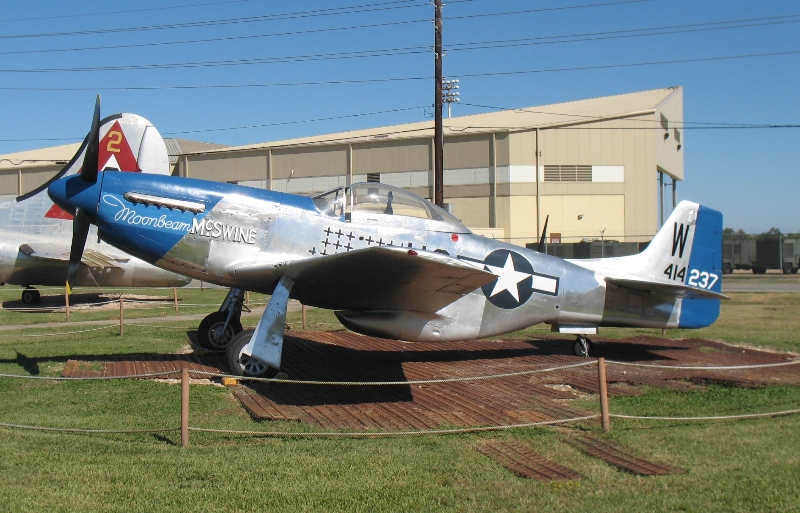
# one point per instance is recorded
(791, 256)
(592, 249)
(759, 255)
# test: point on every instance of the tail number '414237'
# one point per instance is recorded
(702, 279)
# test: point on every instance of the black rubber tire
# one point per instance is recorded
(210, 334)
(787, 268)
(727, 268)
(241, 365)
(31, 296)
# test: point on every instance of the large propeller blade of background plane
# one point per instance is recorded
(80, 224)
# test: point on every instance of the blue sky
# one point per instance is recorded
(247, 71)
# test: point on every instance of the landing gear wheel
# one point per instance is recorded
(241, 364)
(582, 347)
(212, 333)
(31, 296)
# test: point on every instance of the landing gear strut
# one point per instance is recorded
(582, 346)
(253, 353)
(217, 330)
(31, 296)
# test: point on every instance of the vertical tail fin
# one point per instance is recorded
(127, 142)
(682, 265)
(687, 249)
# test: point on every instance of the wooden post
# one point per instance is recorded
(66, 301)
(185, 407)
(175, 297)
(247, 297)
(601, 376)
(121, 317)
(303, 310)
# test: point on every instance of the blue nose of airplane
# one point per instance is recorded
(74, 192)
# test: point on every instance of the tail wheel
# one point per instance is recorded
(212, 334)
(582, 347)
(242, 364)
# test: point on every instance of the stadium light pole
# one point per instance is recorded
(450, 94)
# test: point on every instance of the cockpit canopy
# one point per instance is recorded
(369, 200)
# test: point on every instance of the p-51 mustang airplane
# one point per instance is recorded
(35, 234)
(389, 262)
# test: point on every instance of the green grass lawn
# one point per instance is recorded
(745, 465)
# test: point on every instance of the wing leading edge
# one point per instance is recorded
(376, 278)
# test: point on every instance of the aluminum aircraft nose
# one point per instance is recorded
(74, 192)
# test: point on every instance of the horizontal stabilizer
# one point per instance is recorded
(60, 253)
(669, 289)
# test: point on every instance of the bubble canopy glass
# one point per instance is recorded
(372, 198)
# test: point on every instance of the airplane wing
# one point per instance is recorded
(60, 252)
(375, 278)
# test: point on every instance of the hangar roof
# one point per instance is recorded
(544, 116)
(62, 154)
(42, 157)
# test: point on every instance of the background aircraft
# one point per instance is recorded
(389, 262)
(35, 234)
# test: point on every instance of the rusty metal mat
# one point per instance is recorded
(138, 364)
(621, 457)
(345, 356)
(523, 461)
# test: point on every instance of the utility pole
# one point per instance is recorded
(438, 137)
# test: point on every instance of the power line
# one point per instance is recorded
(127, 11)
(387, 52)
(359, 9)
(405, 79)
(265, 125)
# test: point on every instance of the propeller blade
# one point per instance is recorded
(80, 231)
(544, 235)
(89, 169)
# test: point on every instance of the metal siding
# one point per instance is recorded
(310, 161)
(36, 178)
(392, 156)
(467, 152)
(9, 182)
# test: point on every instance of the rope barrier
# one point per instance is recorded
(373, 434)
(87, 431)
(205, 374)
(717, 417)
(93, 378)
(64, 333)
(391, 383)
(702, 367)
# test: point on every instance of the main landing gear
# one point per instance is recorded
(255, 352)
(217, 330)
(582, 346)
(31, 296)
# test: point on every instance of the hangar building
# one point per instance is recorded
(603, 167)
